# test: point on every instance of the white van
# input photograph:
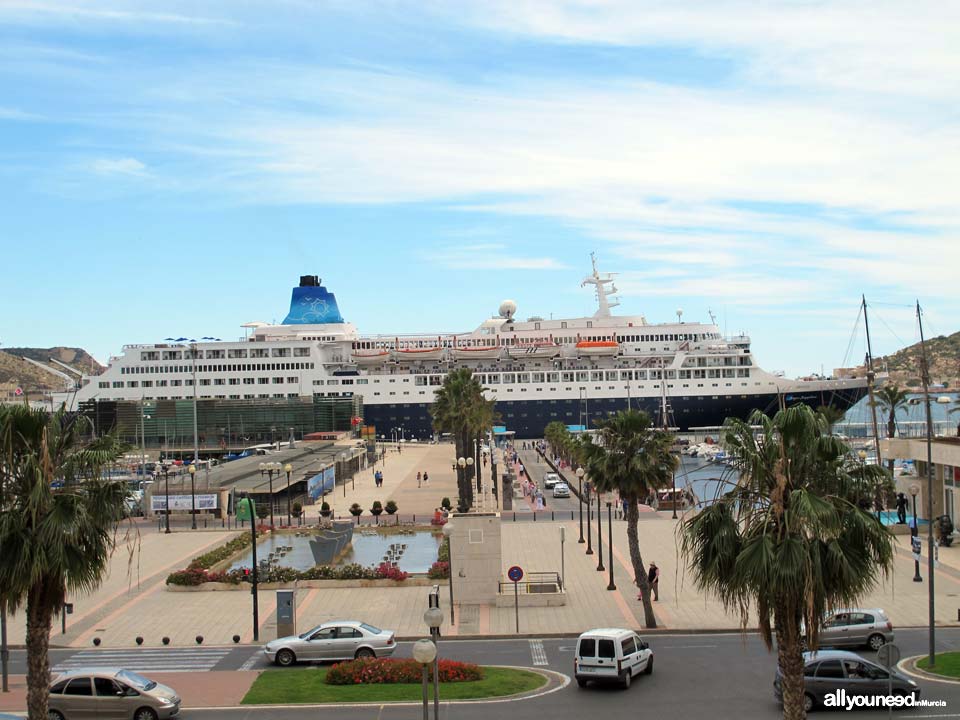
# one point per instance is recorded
(611, 654)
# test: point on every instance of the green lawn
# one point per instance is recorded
(948, 664)
(277, 687)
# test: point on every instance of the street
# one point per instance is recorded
(726, 675)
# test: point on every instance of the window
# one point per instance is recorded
(588, 647)
(263, 381)
(105, 687)
(278, 381)
(292, 380)
(79, 686)
(259, 353)
(830, 669)
(301, 352)
(605, 648)
(281, 352)
(204, 381)
(628, 646)
(58, 688)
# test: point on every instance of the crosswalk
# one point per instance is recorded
(147, 660)
(538, 652)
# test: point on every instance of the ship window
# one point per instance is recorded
(589, 323)
(493, 379)
(563, 325)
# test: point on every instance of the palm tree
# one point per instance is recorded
(460, 408)
(789, 542)
(890, 399)
(633, 458)
(832, 415)
(57, 528)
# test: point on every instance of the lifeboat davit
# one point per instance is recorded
(371, 358)
(481, 352)
(418, 354)
(598, 347)
(534, 350)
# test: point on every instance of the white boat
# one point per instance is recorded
(534, 350)
(418, 354)
(598, 347)
(485, 352)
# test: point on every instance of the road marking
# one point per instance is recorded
(684, 647)
(248, 665)
(538, 652)
(173, 660)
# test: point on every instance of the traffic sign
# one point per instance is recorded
(515, 573)
(888, 655)
(18, 392)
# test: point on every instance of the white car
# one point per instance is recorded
(550, 479)
(611, 655)
(561, 490)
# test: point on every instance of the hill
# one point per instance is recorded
(16, 372)
(944, 354)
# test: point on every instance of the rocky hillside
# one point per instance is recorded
(944, 354)
(16, 372)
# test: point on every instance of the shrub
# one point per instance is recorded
(324, 508)
(445, 503)
(356, 510)
(262, 511)
(395, 670)
(443, 552)
(377, 508)
(219, 554)
(297, 509)
(390, 507)
(439, 570)
(390, 572)
(191, 577)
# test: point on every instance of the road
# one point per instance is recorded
(725, 675)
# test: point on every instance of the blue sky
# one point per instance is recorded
(170, 168)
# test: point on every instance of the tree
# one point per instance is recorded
(789, 542)
(460, 409)
(831, 414)
(57, 531)
(890, 399)
(633, 458)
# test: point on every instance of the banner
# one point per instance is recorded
(158, 503)
(322, 483)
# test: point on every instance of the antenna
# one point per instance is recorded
(713, 318)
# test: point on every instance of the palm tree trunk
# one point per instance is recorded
(639, 571)
(39, 622)
(891, 430)
(790, 658)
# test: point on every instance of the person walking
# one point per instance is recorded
(426, 478)
(419, 478)
(901, 509)
(653, 577)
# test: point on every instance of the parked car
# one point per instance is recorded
(561, 490)
(550, 479)
(110, 693)
(335, 640)
(611, 655)
(827, 671)
(857, 628)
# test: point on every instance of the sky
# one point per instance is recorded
(171, 168)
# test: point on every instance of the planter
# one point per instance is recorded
(418, 581)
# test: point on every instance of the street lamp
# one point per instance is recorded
(674, 516)
(166, 479)
(270, 468)
(448, 534)
(425, 652)
(468, 484)
(600, 567)
(461, 474)
(253, 566)
(433, 617)
(580, 475)
(193, 497)
(589, 508)
(915, 532)
(610, 585)
(287, 469)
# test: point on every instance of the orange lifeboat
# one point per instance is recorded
(598, 347)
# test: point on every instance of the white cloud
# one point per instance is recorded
(32, 11)
(118, 166)
(489, 256)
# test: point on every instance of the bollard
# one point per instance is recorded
(159, 525)
(551, 516)
(96, 641)
(534, 515)
(199, 639)
(514, 515)
(139, 640)
(236, 638)
(165, 640)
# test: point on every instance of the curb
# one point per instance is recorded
(908, 666)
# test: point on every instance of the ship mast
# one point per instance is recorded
(925, 378)
(870, 379)
(600, 281)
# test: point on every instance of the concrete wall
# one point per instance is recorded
(475, 557)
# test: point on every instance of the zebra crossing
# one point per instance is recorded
(147, 660)
(538, 652)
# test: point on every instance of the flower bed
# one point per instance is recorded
(439, 570)
(221, 553)
(193, 576)
(395, 670)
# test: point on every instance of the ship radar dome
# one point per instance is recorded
(507, 309)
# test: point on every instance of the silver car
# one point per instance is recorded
(828, 671)
(110, 693)
(335, 640)
(561, 490)
(550, 479)
(856, 628)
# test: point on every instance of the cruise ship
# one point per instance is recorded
(576, 370)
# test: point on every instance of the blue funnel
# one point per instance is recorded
(311, 304)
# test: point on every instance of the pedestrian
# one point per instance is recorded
(901, 509)
(426, 478)
(653, 577)
(419, 478)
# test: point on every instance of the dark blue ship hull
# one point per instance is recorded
(528, 418)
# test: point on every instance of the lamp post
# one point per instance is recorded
(610, 585)
(461, 483)
(580, 495)
(448, 534)
(589, 508)
(425, 652)
(270, 468)
(166, 481)
(193, 497)
(253, 568)
(288, 468)
(467, 483)
(674, 516)
(915, 531)
(600, 567)
(433, 617)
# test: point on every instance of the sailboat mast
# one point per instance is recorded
(870, 379)
(925, 379)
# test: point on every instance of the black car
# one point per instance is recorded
(827, 671)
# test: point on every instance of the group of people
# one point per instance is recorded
(378, 478)
(422, 478)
